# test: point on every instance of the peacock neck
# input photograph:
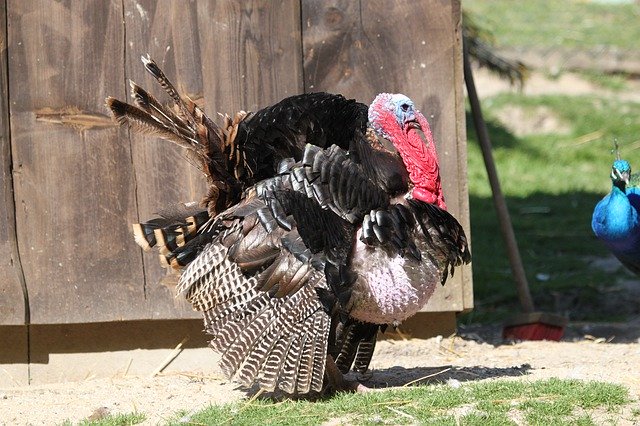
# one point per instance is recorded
(620, 185)
(622, 217)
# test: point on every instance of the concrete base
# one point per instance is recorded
(41, 354)
(14, 356)
(424, 325)
(70, 352)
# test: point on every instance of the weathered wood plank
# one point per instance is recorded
(12, 297)
(362, 48)
(453, 160)
(251, 53)
(232, 54)
(73, 184)
(168, 32)
(461, 152)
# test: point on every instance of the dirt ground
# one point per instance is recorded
(589, 352)
(604, 352)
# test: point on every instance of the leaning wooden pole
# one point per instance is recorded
(506, 229)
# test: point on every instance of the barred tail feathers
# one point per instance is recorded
(357, 341)
(278, 342)
(175, 233)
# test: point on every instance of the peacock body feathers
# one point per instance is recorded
(616, 218)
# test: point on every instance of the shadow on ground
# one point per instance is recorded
(397, 377)
(401, 376)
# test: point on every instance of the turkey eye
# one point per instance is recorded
(405, 107)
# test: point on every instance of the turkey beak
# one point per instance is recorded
(409, 119)
(410, 122)
(413, 125)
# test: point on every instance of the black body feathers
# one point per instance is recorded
(297, 192)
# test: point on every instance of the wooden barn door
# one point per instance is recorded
(72, 182)
(13, 302)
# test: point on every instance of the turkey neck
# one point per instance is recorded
(418, 152)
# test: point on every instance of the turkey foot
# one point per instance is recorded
(336, 381)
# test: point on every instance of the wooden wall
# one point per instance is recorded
(72, 182)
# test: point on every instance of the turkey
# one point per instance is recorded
(324, 223)
(616, 220)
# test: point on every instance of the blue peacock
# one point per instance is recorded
(616, 218)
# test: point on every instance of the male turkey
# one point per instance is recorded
(616, 220)
(324, 222)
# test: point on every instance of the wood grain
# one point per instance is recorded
(362, 48)
(466, 272)
(73, 188)
(79, 182)
(251, 53)
(168, 32)
(13, 302)
(228, 55)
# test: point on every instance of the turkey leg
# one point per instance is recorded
(337, 382)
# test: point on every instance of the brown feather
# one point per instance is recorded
(146, 240)
(166, 84)
(143, 122)
(148, 103)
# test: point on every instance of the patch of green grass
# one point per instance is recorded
(551, 401)
(571, 24)
(483, 418)
(557, 162)
(112, 420)
(552, 182)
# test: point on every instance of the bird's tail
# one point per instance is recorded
(178, 233)
(186, 125)
(276, 342)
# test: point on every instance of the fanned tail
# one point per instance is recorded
(188, 126)
(278, 342)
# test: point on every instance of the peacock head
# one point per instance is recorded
(621, 173)
(394, 117)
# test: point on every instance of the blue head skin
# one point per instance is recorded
(620, 173)
(404, 111)
(401, 108)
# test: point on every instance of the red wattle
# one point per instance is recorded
(428, 197)
(421, 159)
(419, 155)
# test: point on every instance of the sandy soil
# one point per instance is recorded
(538, 83)
(476, 354)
